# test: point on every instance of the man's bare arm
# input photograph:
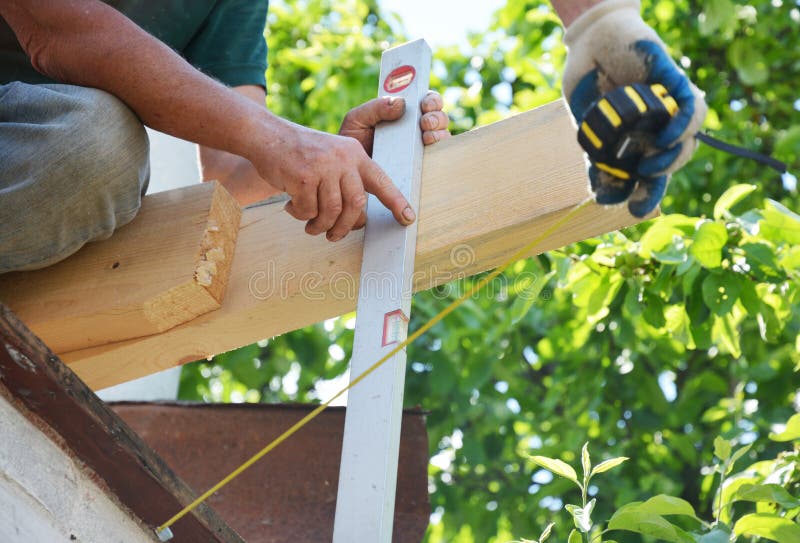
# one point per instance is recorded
(245, 184)
(569, 10)
(237, 174)
(85, 42)
(90, 44)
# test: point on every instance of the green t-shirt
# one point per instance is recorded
(222, 38)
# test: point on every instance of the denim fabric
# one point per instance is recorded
(73, 167)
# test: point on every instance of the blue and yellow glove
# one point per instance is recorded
(610, 46)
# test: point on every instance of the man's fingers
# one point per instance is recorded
(369, 114)
(330, 207)
(378, 183)
(361, 222)
(303, 205)
(432, 102)
(434, 120)
(434, 136)
(353, 200)
(301, 208)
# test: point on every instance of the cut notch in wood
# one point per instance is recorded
(107, 292)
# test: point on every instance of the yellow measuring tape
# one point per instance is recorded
(522, 253)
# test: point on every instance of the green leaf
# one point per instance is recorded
(663, 504)
(768, 526)
(674, 253)
(771, 493)
(528, 296)
(601, 298)
(582, 516)
(780, 224)
(718, 15)
(586, 461)
(606, 465)
(716, 535)
(632, 303)
(730, 198)
(645, 523)
(750, 298)
(574, 537)
(722, 448)
(748, 61)
(653, 310)
(720, 292)
(558, 467)
(790, 259)
(761, 256)
(788, 143)
(546, 532)
(791, 432)
(648, 518)
(708, 243)
(737, 455)
(696, 308)
(729, 490)
(657, 238)
(727, 336)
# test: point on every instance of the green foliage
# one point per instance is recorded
(791, 432)
(768, 526)
(582, 514)
(671, 519)
(649, 341)
(324, 58)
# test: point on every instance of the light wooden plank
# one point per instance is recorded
(485, 193)
(166, 267)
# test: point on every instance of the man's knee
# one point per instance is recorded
(110, 143)
(87, 169)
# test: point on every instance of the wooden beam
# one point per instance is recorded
(485, 193)
(49, 394)
(166, 267)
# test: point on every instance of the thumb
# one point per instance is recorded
(369, 114)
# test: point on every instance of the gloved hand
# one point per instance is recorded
(610, 46)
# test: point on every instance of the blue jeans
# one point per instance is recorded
(73, 167)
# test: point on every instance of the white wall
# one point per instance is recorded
(173, 163)
(46, 498)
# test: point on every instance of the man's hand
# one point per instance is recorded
(610, 46)
(360, 122)
(328, 176)
(242, 179)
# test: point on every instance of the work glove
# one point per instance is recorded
(610, 46)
